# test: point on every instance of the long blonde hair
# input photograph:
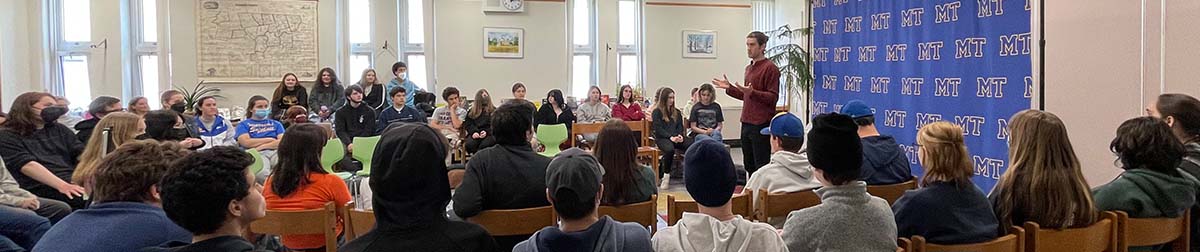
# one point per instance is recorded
(944, 154)
(362, 80)
(1043, 182)
(125, 127)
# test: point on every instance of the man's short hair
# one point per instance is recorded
(197, 190)
(128, 173)
(864, 121)
(396, 90)
(446, 93)
(760, 37)
(398, 65)
(511, 121)
(351, 89)
(792, 144)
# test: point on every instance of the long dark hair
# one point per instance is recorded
(1186, 111)
(319, 85)
(621, 94)
(299, 154)
(555, 96)
(616, 149)
(668, 110)
(278, 96)
(1147, 143)
(482, 104)
(21, 117)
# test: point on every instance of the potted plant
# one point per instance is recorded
(793, 60)
(192, 97)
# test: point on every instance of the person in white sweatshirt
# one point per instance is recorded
(789, 170)
(710, 180)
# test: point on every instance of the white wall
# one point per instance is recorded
(1100, 73)
(20, 49)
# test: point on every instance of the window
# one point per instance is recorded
(583, 42)
(70, 27)
(412, 41)
(361, 49)
(763, 12)
(629, 43)
(144, 34)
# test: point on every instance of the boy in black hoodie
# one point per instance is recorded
(883, 161)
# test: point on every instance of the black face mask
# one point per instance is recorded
(51, 114)
(177, 133)
(179, 107)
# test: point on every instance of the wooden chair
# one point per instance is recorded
(779, 205)
(675, 208)
(456, 177)
(1099, 237)
(892, 192)
(359, 222)
(644, 213)
(515, 221)
(303, 222)
(1013, 242)
(1136, 232)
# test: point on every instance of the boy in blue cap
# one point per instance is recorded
(789, 170)
(884, 163)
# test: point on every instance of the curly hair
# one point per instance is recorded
(128, 173)
(197, 190)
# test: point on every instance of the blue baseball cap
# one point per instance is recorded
(856, 109)
(786, 125)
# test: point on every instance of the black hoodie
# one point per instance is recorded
(883, 161)
(411, 191)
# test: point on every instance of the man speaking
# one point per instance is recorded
(758, 101)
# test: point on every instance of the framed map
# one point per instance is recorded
(255, 40)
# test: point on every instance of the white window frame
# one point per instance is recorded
(636, 48)
(360, 49)
(407, 47)
(590, 49)
(59, 48)
(141, 48)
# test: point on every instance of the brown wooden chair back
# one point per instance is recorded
(780, 205)
(892, 192)
(644, 213)
(1013, 242)
(360, 222)
(515, 221)
(303, 222)
(675, 208)
(1098, 237)
(1135, 232)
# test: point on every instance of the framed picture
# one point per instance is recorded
(502, 42)
(699, 44)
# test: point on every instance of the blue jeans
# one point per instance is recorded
(22, 228)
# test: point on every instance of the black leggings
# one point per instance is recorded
(668, 150)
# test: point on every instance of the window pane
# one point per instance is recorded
(360, 21)
(149, 70)
(358, 63)
(149, 21)
(75, 79)
(629, 70)
(416, 22)
(581, 18)
(416, 71)
(581, 75)
(76, 21)
(627, 22)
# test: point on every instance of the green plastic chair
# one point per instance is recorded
(258, 165)
(363, 151)
(333, 153)
(551, 136)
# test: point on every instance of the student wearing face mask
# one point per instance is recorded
(40, 153)
(173, 100)
(166, 125)
(401, 71)
(260, 132)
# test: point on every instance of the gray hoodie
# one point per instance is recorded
(702, 233)
(848, 219)
(787, 172)
(614, 236)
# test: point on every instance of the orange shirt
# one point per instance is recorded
(324, 188)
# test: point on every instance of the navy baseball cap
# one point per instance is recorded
(856, 109)
(786, 125)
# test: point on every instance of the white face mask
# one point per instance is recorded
(403, 76)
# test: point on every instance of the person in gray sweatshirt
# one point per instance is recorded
(789, 170)
(573, 187)
(848, 219)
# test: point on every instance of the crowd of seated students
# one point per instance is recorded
(111, 179)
